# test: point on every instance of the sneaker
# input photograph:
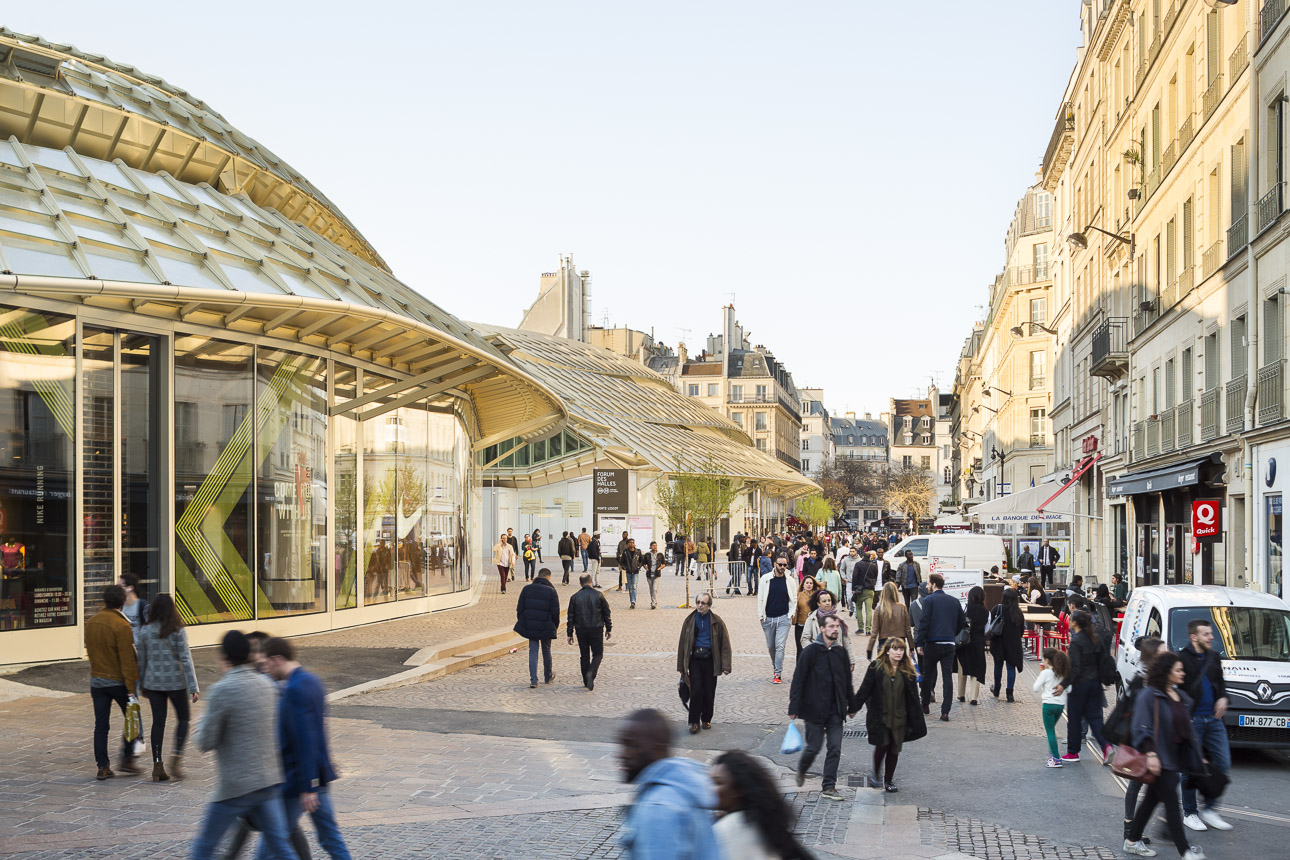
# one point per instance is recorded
(1193, 822)
(1071, 757)
(1137, 849)
(800, 776)
(1214, 820)
(831, 794)
(1108, 752)
(532, 685)
(891, 788)
(777, 679)
(633, 606)
(550, 678)
(1053, 762)
(1194, 853)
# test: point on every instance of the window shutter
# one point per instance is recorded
(1188, 234)
(1211, 362)
(1239, 169)
(1272, 349)
(1171, 254)
(1213, 44)
(1237, 330)
(1170, 384)
(1187, 383)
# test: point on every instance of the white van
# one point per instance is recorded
(952, 552)
(1251, 634)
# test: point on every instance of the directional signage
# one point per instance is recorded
(1206, 518)
(610, 489)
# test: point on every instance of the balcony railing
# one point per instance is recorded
(1269, 15)
(1153, 182)
(1110, 351)
(1169, 296)
(1015, 276)
(1237, 236)
(1211, 407)
(1213, 95)
(1038, 440)
(1061, 142)
(1212, 259)
(1145, 316)
(1239, 60)
(1270, 207)
(1170, 157)
(1272, 392)
(1186, 419)
(1167, 419)
(1236, 405)
(1139, 440)
(1153, 437)
(1186, 132)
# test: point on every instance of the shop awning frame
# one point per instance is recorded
(1079, 473)
(1188, 473)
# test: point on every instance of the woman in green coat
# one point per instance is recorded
(890, 689)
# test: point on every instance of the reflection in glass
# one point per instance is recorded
(99, 437)
(214, 394)
(37, 432)
(1275, 555)
(345, 438)
(141, 397)
(382, 436)
(291, 518)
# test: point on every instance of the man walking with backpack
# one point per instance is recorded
(939, 624)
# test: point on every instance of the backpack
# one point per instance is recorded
(1107, 673)
(528, 555)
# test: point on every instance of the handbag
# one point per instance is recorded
(994, 626)
(133, 720)
(683, 690)
(1131, 764)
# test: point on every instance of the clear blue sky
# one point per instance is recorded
(846, 169)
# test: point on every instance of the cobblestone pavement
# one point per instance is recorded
(477, 765)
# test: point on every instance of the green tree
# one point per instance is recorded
(814, 510)
(696, 497)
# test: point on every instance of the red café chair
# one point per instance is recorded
(1061, 637)
(1031, 638)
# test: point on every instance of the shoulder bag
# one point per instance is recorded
(1131, 764)
(994, 626)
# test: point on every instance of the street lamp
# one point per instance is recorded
(977, 409)
(1018, 331)
(987, 389)
(1080, 239)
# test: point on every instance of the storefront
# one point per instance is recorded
(1158, 517)
(1025, 523)
(1270, 460)
(209, 379)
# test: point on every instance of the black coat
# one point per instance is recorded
(864, 575)
(537, 612)
(1085, 659)
(870, 694)
(821, 686)
(1006, 647)
(972, 655)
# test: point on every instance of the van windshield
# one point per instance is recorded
(1240, 632)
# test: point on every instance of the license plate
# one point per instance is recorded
(1260, 721)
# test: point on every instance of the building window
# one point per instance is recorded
(908, 421)
(761, 394)
(1038, 428)
(947, 475)
(1038, 369)
(926, 462)
(760, 421)
(806, 444)
(1039, 256)
(738, 418)
(907, 461)
(806, 467)
(925, 439)
(1039, 311)
(909, 438)
(1043, 210)
(712, 389)
(736, 394)
(694, 391)
(761, 444)
(926, 422)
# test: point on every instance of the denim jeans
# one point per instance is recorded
(1084, 703)
(1212, 737)
(998, 674)
(324, 818)
(544, 645)
(103, 697)
(776, 630)
(583, 553)
(828, 735)
(265, 811)
(530, 568)
(631, 586)
(753, 578)
(652, 582)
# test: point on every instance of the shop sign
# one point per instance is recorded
(610, 490)
(531, 506)
(572, 509)
(1206, 518)
(1090, 444)
(50, 607)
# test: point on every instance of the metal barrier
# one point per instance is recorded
(734, 572)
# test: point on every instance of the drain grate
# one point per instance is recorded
(855, 733)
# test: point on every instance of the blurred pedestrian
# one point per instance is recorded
(584, 540)
(821, 694)
(971, 657)
(588, 617)
(167, 677)
(889, 691)
(1119, 724)
(1203, 682)
(754, 822)
(702, 656)
(114, 676)
(671, 813)
(593, 558)
(537, 618)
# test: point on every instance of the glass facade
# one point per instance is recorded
(37, 463)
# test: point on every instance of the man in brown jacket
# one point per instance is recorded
(114, 674)
(702, 655)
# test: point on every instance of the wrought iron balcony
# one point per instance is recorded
(1237, 236)
(1239, 60)
(1212, 259)
(1211, 408)
(1269, 15)
(1272, 392)
(1110, 350)
(1169, 296)
(1270, 207)
(1213, 96)
(1147, 313)
(1170, 157)
(1167, 419)
(1186, 280)
(1236, 405)
(1038, 440)
(1185, 419)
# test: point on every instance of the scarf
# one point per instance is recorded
(821, 614)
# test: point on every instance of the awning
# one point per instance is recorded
(1023, 507)
(1079, 473)
(1185, 474)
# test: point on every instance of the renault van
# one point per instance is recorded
(1251, 635)
(952, 551)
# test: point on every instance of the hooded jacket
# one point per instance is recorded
(671, 816)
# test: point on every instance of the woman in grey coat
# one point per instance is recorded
(166, 675)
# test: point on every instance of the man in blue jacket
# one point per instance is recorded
(306, 765)
(671, 815)
(537, 617)
(939, 623)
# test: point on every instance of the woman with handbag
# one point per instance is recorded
(1117, 725)
(894, 715)
(1161, 732)
(166, 675)
(971, 655)
(1004, 635)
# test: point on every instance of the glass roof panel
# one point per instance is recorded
(26, 258)
(88, 206)
(248, 280)
(119, 266)
(22, 200)
(186, 270)
(160, 234)
(55, 159)
(106, 172)
(157, 185)
(99, 231)
(35, 224)
(300, 285)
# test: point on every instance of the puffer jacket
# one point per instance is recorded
(537, 612)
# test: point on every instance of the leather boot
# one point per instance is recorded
(159, 772)
(177, 766)
(1010, 699)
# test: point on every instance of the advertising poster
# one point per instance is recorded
(642, 529)
(1063, 546)
(959, 582)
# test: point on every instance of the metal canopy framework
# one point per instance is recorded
(634, 418)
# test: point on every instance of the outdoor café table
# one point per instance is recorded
(1041, 617)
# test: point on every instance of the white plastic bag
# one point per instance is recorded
(792, 740)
